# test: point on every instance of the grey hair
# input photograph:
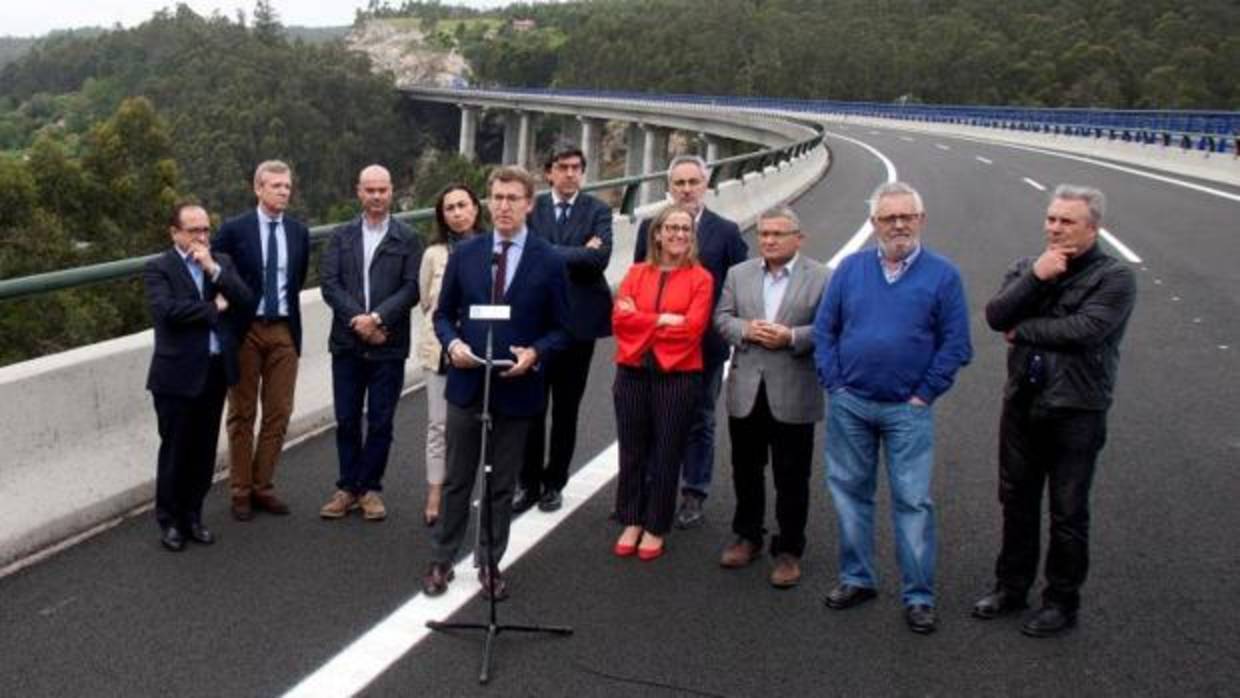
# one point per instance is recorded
(895, 189)
(691, 159)
(1094, 199)
(272, 166)
(780, 212)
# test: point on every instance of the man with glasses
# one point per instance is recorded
(578, 226)
(719, 247)
(190, 293)
(513, 268)
(766, 314)
(889, 337)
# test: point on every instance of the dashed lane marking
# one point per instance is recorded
(984, 161)
(1033, 184)
(941, 146)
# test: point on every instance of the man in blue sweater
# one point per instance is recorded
(889, 336)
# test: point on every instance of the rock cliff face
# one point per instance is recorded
(402, 49)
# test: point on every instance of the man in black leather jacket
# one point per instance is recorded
(1063, 315)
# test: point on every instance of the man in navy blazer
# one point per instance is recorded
(720, 247)
(506, 267)
(578, 226)
(271, 251)
(190, 294)
(369, 276)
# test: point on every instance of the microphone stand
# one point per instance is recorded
(492, 627)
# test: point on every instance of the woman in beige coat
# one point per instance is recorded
(457, 216)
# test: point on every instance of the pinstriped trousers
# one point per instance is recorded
(653, 414)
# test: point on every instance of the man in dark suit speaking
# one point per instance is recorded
(578, 226)
(189, 293)
(506, 267)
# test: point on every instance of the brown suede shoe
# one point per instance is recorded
(372, 506)
(339, 505)
(787, 571)
(268, 501)
(739, 554)
(242, 510)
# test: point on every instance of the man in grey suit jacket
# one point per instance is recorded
(766, 311)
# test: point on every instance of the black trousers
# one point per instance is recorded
(791, 453)
(463, 433)
(566, 384)
(1057, 450)
(653, 414)
(189, 431)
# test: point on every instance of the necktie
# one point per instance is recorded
(561, 212)
(271, 276)
(501, 272)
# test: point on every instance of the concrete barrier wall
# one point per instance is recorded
(79, 427)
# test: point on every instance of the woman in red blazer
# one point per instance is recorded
(660, 313)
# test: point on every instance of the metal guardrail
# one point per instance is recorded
(735, 167)
(1203, 130)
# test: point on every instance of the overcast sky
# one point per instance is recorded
(27, 18)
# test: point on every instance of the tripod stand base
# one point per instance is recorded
(493, 630)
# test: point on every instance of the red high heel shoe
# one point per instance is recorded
(624, 549)
(648, 554)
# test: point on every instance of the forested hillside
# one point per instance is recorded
(104, 132)
(1180, 54)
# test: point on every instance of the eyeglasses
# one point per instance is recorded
(893, 218)
(676, 228)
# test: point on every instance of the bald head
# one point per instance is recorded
(374, 190)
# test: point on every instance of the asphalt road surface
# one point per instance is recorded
(276, 599)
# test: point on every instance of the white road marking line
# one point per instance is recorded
(366, 658)
(906, 139)
(863, 233)
(875, 133)
(1033, 184)
(1120, 247)
(940, 146)
(1111, 166)
(984, 161)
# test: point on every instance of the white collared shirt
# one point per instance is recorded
(371, 237)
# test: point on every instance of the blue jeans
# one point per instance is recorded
(700, 451)
(377, 385)
(855, 429)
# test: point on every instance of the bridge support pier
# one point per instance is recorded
(716, 148)
(468, 145)
(592, 145)
(524, 139)
(654, 159)
(635, 139)
(510, 139)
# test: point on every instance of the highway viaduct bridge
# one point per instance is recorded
(305, 607)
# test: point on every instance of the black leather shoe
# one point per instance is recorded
(172, 539)
(921, 618)
(550, 501)
(523, 501)
(846, 596)
(435, 581)
(999, 602)
(493, 584)
(1049, 621)
(201, 534)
